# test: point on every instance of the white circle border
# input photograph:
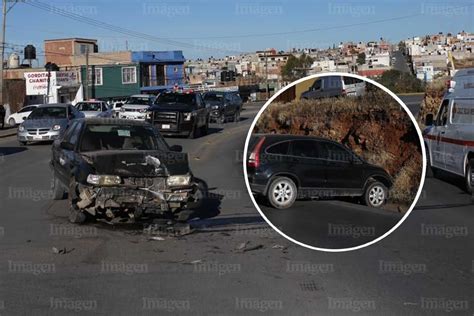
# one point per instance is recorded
(423, 173)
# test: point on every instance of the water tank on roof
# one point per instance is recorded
(30, 52)
(14, 60)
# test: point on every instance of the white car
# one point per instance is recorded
(18, 117)
(335, 86)
(449, 138)
(136, 107)
(94, 108)
(115, 106)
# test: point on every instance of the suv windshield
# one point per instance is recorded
(121, 137)
(83, 106)
(176, 98)
(213, 97)
(138, 100)
(48, 112)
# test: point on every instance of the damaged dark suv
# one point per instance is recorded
(120, 170)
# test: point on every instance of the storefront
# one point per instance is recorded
(54, 86)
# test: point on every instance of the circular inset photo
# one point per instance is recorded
(334, 162)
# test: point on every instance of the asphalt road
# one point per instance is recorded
(400, 62)
(233, 263)
(332, 224)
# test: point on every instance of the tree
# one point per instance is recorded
(401, 82)
(361, 58)
(401, 46)
(295, 68)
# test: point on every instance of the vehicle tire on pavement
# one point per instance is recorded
(57, 188)
(221, 119)
(23, 143)
(76, 216)
(237, 116)
(12, 122)
(282, 193)
(375, 194)
(469, 176)
(205, 129)
(192, 134)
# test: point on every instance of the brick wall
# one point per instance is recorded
(58, 52)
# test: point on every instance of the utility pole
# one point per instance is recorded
(86, 85)
(4, 16)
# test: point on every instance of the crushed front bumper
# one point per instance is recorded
(132, 200)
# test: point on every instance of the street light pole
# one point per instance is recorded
(2, 42)
(86, 85)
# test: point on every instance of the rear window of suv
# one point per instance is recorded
(350, 80)
(280, 148)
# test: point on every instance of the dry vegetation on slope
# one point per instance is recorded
(375, 127)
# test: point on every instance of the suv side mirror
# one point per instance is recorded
(66, 146)
(429, 119)
(176, 148)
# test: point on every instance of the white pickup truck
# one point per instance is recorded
(449, 137)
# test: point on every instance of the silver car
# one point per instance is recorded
(47, 122)
(94, 109)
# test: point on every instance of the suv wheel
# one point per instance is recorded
(470, 176)
(282, 193)
(375, 195)
(205, 128)
(58, 190)
(76, 216)
(23, 143)
(12, 122)
(221, 119)
(237, 116)
(192, 134)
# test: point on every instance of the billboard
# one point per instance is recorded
(37, 82)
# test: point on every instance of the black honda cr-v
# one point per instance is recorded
(286, 167)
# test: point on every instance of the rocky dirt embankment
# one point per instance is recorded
(431, 101)
(375, 127)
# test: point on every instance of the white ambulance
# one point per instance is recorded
(449, 137)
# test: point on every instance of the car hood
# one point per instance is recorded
(44, 123)
(138, 163)
(180, 107)
(135, 106)
(213, 103)
(91, 113)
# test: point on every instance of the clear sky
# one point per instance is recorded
(203, 28)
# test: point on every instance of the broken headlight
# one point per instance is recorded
(103, 180)
(175, 181)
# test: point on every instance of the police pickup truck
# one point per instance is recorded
(449, 137)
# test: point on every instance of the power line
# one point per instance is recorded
(334, 27)
(253, 35)
(110, 27)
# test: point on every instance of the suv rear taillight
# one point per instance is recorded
(254, 158)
